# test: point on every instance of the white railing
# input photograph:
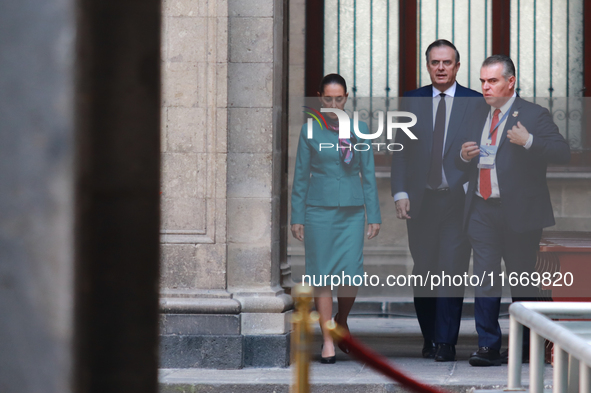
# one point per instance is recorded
(572, 345)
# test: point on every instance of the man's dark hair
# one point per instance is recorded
(330, 79)
(437, 44)
(508, 66)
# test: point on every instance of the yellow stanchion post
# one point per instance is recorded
(301, 338)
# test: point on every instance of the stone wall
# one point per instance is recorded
(221, 182)
(194, 146)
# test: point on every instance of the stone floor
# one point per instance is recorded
(397, 338)
(344, 377)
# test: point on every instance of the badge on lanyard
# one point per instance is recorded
(488, 152)
(487, 156)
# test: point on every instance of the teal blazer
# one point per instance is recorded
(320, 179)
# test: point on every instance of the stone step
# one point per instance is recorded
(346, 376)
(505, 391)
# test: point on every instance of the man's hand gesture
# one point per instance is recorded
(518, 134)
(470, 150)
(402, 208)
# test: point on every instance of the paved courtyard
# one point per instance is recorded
(397, 338)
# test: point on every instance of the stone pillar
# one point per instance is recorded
(199, 316)
(222, 303)
(255, 100)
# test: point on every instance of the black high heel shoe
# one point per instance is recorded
(327, 360)
(342, 346)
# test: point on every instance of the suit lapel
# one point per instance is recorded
(457, 114)
(480, 123)
(425, 117)
(429, 92)
(427, 106)
(511, 120)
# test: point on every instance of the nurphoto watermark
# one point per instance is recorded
(345, 129)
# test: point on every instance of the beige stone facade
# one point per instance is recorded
(194, 146)
(221, 177)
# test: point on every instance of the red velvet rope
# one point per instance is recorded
(380, 364)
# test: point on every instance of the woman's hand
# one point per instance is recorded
(372, 231)
(297, 230)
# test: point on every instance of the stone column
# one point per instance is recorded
(200, 323)
(256, 131)
(222, 304)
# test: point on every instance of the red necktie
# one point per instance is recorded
(485, 187)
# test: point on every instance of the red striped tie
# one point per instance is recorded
(485, 187)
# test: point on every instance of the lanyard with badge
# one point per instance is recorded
(488, 152)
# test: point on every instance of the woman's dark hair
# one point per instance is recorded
(330, 79)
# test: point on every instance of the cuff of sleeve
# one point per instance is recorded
(463, 157)
(529, 142)
(374, 219)
(400, 195)
(297, 219)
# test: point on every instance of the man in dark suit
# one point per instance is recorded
(428, 192)
(507, 202)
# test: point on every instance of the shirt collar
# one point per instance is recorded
(449, 92)
(505, 107)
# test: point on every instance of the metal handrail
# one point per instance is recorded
(536, 316)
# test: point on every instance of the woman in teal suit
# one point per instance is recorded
(329, 203)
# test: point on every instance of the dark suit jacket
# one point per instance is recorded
(521, 173)
(410, 166)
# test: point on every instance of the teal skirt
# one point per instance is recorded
(333, 240)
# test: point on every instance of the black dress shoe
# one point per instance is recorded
(327, 360)
(429, 349)
(524, 356)
(485, 357)
(445, 353)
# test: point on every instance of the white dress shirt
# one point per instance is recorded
(449, 99)
(494, 181)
